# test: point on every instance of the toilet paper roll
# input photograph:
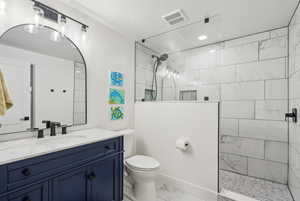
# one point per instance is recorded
(183, 143)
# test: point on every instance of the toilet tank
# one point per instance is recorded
(129, 145)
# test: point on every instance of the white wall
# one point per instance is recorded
(103, 50)
(294, 97)
(159, 125)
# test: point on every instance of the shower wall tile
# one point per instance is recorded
(271, 109)
(211, 91)
(239, 54)
(139, 91)
(243, 91)
(201, 59)
(265, 70)
(294, 85)
(273, 48)
(169, 94)
(267, 170)
(294, 184)
(233, 163)
(276, 151)
(168, 82)
(276, 89)
(248, 39)
(266, 130)
(229, 127)
(217, 75)
(143, 76)
(237, 109)
(296, 66)
(243, 146)
(279, 32)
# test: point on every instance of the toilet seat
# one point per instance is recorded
(142, 163)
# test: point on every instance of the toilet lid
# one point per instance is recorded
(142, 163)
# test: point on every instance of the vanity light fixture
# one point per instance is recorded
(43, 11)
(38, 16)
(2, 7)
(63, 23)
(84, 30)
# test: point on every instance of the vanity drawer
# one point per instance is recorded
(30, 170)
(35, 193)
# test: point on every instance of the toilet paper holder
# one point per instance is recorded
(183, 144)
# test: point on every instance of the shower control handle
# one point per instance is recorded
(293, 115)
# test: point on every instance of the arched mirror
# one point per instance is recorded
(45, 78)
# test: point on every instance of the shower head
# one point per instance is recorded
(163, 57)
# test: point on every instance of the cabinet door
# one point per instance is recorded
(35, 193)
(70, 187)
(105, 180)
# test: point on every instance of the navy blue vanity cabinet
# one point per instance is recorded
(92, 172)
(103, 187)
(70, 187)
(37, 192)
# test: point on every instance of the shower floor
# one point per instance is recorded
(256, 188)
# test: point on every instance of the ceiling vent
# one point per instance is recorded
(174, 17)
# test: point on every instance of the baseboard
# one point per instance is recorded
(186, 187)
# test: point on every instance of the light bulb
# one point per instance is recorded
(84, 30)
(63, 23)
(2, 7)
(83, 36)
(55, 36)
(31, 28)
(38, 16)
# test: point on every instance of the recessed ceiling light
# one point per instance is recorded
(202, 37)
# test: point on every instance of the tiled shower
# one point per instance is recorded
(249, 77)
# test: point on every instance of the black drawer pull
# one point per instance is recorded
(91, 176)
(26, 198)
(26, 172)
(107, 147)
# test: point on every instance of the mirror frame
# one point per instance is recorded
(85, 66)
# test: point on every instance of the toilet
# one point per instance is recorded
(141, 170)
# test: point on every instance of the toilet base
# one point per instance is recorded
(144, 191)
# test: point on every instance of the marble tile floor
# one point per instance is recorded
(255, 188)
(185, 198)
(172, 193)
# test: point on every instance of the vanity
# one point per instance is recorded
(84, 166)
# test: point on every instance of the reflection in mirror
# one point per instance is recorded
(45, 76)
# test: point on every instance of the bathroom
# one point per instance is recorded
(149, 100)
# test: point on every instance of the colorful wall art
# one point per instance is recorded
(116, 79)
(116, 96)
(117, 113)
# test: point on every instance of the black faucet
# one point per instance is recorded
(53, 126)
(47, 122)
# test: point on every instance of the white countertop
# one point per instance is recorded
(16, 150)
